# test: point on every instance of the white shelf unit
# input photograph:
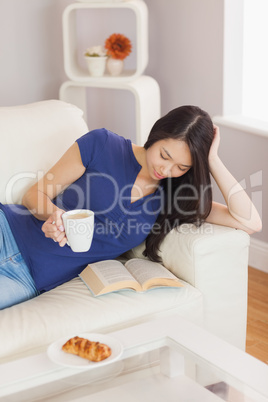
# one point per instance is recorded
(70, 46)
(144, 88)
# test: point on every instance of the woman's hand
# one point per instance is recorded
(213, 152)
(53, 227)
(239, 211)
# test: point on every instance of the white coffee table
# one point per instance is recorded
(167, 359)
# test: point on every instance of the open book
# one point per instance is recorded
(137, 274)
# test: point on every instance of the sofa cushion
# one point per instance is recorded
(70, 308)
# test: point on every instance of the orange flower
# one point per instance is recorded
(118, 46)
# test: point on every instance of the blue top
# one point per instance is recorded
(105, 188)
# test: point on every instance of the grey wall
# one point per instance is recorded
(31, 62)
(185, 57)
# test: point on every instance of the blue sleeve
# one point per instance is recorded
(91, 145)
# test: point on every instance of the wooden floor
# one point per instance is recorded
(257, 323)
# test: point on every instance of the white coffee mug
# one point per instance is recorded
(79, 229)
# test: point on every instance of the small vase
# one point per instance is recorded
(115, 66)
(96, 65)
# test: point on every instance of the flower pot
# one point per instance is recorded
(115, 66)
(96, 65)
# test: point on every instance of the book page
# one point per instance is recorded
(110, 272)
(144, 270)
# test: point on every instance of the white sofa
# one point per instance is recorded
(211, 260)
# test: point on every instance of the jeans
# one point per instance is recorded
(16, 282)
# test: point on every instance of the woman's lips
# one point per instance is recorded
(158, 176)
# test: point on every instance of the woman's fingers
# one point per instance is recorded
(53, 228)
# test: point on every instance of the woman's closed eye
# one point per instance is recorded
(182, 169)
(179, 167)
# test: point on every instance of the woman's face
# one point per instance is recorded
(168, 158)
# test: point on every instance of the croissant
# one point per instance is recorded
(93, 351)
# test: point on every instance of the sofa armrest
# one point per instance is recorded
(213, 259)
(28, 132)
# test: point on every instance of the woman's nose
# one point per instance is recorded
(166, 170)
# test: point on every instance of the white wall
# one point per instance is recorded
(185, 57)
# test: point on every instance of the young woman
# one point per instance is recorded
(136, 192)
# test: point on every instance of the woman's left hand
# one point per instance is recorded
(239, 212)
(213, 152)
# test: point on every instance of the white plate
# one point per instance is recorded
(57, 355)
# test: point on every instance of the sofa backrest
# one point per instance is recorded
(33, 138)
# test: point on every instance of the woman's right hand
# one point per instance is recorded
(54, 229)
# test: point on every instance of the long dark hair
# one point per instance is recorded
(192, 191)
